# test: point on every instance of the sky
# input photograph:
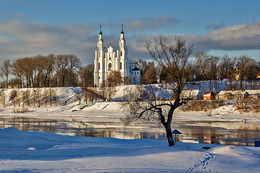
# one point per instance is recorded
(33, 27)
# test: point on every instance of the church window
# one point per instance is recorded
(109, 67)
(109, 56)
(120, 65)
(121, 53)
(99, 66)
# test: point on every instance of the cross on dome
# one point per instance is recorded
(100, 32)
(122, 32)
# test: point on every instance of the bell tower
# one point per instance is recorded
(99, 61)
(122, 45)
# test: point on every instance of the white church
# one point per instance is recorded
(108, 60)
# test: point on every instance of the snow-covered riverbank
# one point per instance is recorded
(113, 112)
(67, 106)
(47, 152)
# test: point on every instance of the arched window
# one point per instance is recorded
(109, 67)
(99, 66)
(121, 53)
(120, 65)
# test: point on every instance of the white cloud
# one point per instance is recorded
(20, 39)
(30, 39)
(238, 37)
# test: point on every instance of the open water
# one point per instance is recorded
(226, 133)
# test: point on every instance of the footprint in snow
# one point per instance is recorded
(204, 162)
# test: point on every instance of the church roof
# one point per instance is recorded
(135, 69)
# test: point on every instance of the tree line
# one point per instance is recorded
(46, 71)
(204, 67)
(66, 70)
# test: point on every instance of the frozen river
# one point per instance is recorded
(227, 133)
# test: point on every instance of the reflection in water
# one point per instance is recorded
(29, 124)
(76, 128)
(228, 133)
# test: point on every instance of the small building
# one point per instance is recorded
(209, 96)
(255, 94)
(232, 95)
(191, 94)
(136, 75)
(258, 75)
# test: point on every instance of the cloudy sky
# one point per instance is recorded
(32, 27)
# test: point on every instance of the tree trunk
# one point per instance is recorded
(169, 136)
(167, 125)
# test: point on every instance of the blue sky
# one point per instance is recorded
(32, 27)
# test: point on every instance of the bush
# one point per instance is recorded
(12, 95)
(247, 105)
(22, 110)
(202, 105)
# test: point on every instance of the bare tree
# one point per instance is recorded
(16, 67)
(244, 65)
(158, 70)
(86, 75)
(74, 64)
(12, 96)
(61, 64)
(225, 67)
(142, 65)
(6, 70)
(114, 79)
(202, 62)
(172, 56)
(47, 73)
(2, 98)
(1, 83)
(34, 96)
(149, 76)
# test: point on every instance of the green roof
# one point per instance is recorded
(135, 69)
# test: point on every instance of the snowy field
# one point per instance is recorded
(48, 152)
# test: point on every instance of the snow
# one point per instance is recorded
(48, 152)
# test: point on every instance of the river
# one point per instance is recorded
(210, 132)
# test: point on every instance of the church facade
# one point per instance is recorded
(109, 60)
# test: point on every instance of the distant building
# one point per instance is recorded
(107, 61)
(232, 95)
(209, 96)
(258, 76)
(136, 75)
(255, 94)
(191, 94)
